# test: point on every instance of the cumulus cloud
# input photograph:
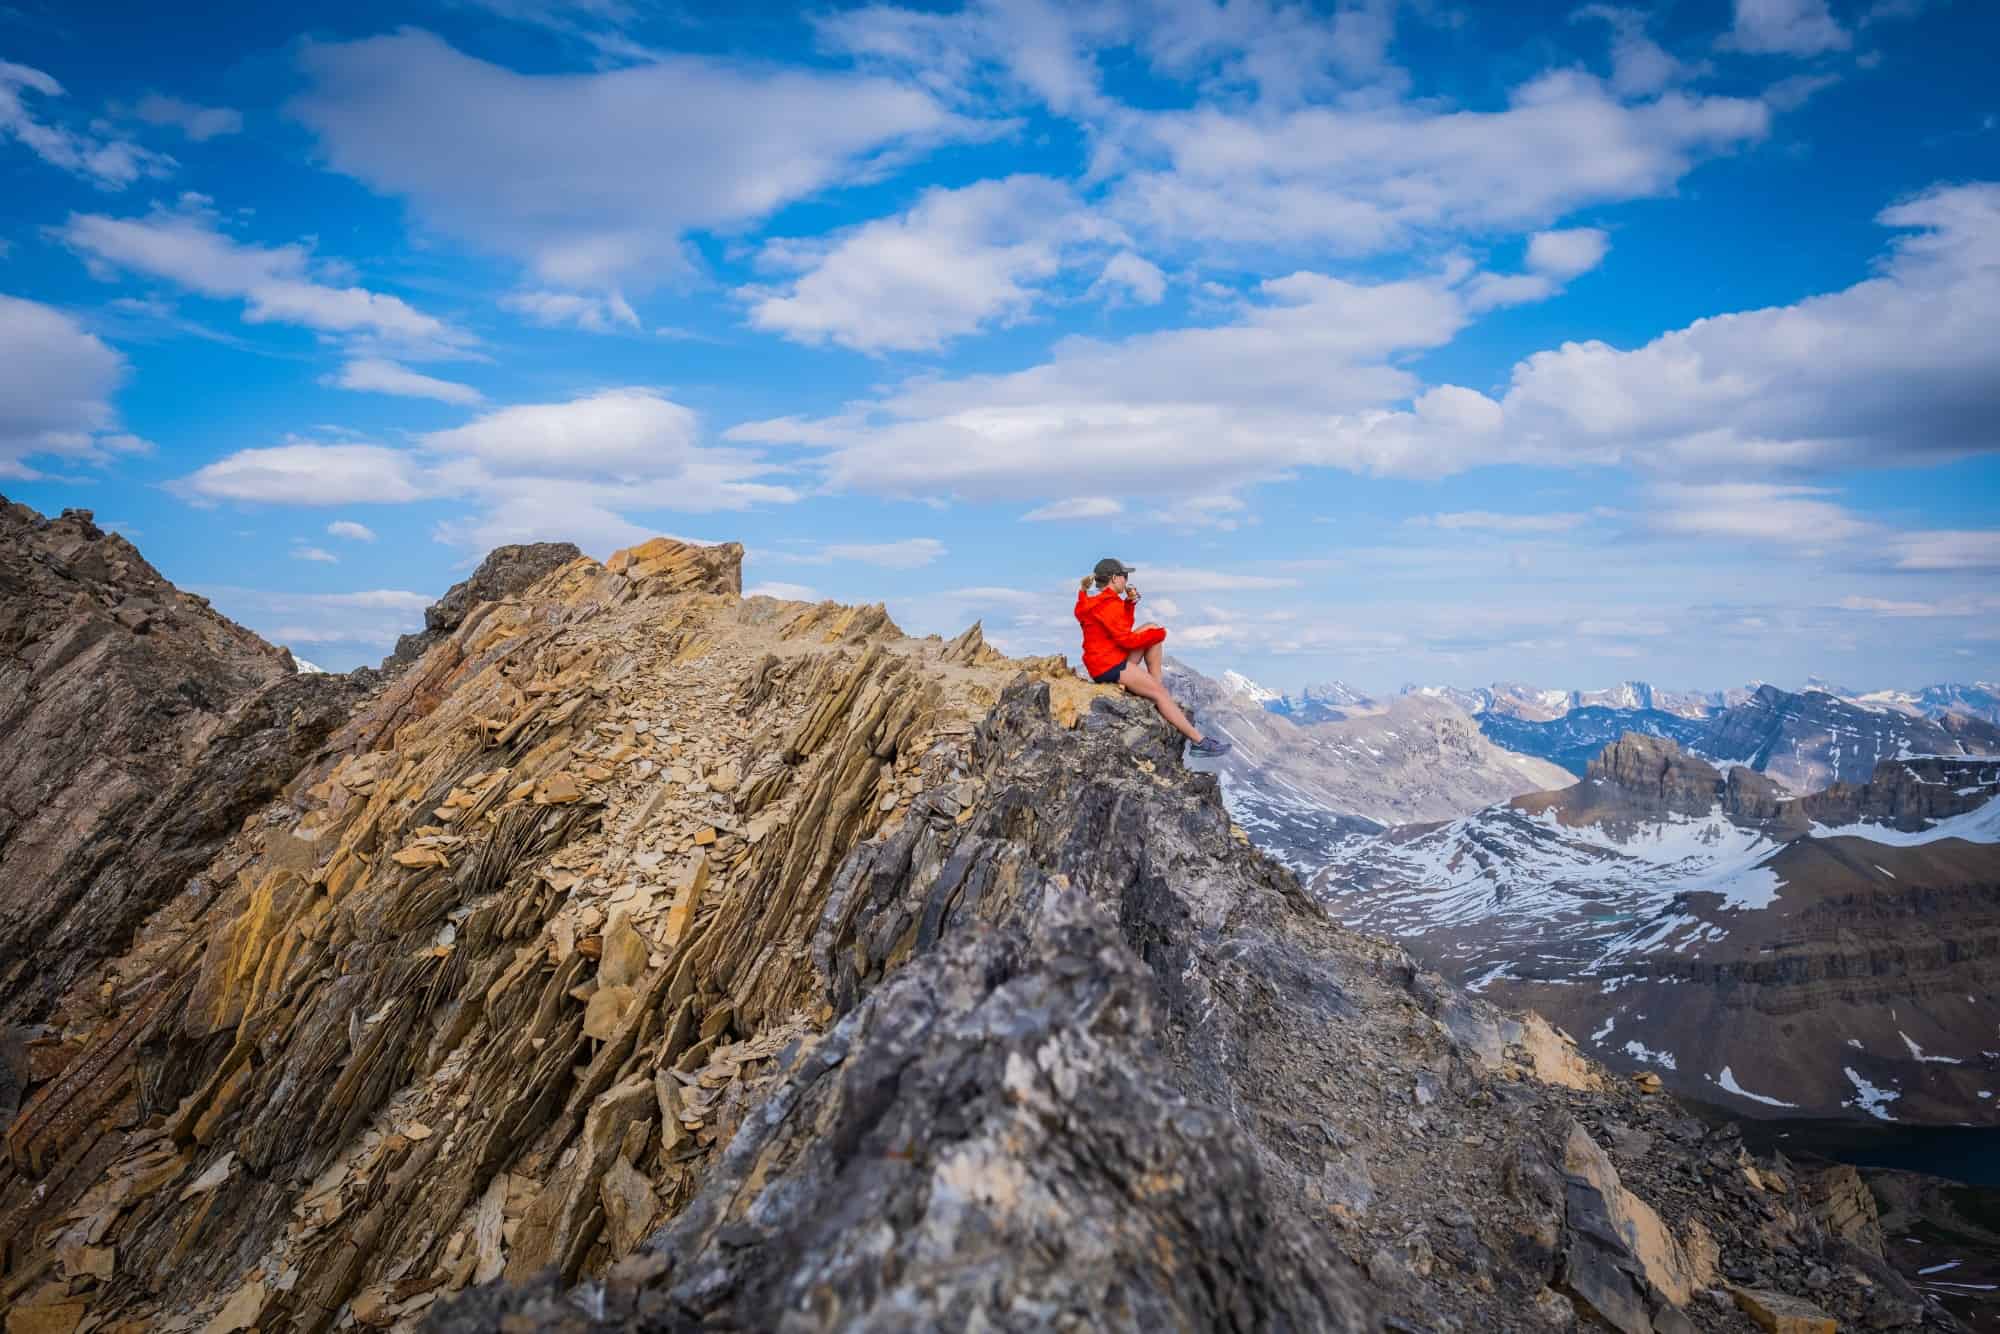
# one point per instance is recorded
(308, 473)
(1184, 411)
(593, 179)
(362, 621)
(1567, 253)
(603, 313)
(1755, 512)
(350, 530)
(198, 123)
(1785, 27)
(1947, 550)
(1368, 178)
(56, 382)
(1139, 279)
(955, 262)
(380, 376)
(107, 163)
(320, 554)
(568, 471)
(275, 284)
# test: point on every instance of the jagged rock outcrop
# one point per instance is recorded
(755, 966)
(137, 729)
(1576, 738)
(505, 571)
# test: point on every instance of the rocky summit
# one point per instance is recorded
(644, 956)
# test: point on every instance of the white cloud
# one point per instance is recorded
(1785, 27)
(1082, 507)
(1219, 512)
(592, 314)
(1185, 580)
(381, 376)
(1488, 521)
(1568, 253)
(350, 530)
(538, 472)
(109, 164)
(1140, 279)
(1947, 550)
(591, 179)
(633, 432)
(784, 592)
(1186, 411)
(957, 261)
(198, 123)
(310, 474)
(1888, 606)
(1368, 178)
(56, 382)
(320, 554)
(275, 284)
(1640, 66)
(1754, 511)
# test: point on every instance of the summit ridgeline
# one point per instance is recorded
(644, 956)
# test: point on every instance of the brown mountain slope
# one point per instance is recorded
(753, 966)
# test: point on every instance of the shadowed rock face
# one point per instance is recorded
(137, 729)
(505, 571)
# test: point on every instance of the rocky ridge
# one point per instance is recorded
(751, 965)
(138, 727)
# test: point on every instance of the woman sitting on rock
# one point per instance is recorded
(1114, 652)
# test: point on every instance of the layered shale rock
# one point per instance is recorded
(646, 956)
(137, 729)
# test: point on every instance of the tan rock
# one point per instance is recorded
(607, 1007)
(686, 899)
(55, 1318)
(704, 837)
(557, 789)
(1782, 1313)
(630, 1205)
(1554, 1060)
(1676, 1267)
(1647, 1081)
(624, 959)
(241, 1311)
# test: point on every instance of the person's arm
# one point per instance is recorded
(1132, 641)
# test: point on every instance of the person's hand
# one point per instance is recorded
(1134, 595)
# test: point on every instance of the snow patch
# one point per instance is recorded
(1610, 1022)
(1867, 1097)
(1918, 1052)
(307, 668)
(1645, 1055)
(1975, 826)
(1729, 1085)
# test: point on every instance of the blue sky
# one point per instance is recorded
(1424, 342)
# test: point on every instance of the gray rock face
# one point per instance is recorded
(505, 571)
(1811, 740)
(137, 728)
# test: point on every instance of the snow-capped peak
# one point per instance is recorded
(1238, 684)
(305, 666)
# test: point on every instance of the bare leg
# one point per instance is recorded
(1146, 687)
(1153, 656)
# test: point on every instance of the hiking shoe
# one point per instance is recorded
(1208, 747)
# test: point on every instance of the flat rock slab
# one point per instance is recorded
(1782, 1313)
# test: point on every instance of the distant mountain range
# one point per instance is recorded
(1301, 787)
(1803, 739)
(1831, 954)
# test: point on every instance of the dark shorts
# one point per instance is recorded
(1111, 674)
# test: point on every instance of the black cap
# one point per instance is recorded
(1109, 569)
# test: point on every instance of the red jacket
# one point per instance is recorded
(1108, 637)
